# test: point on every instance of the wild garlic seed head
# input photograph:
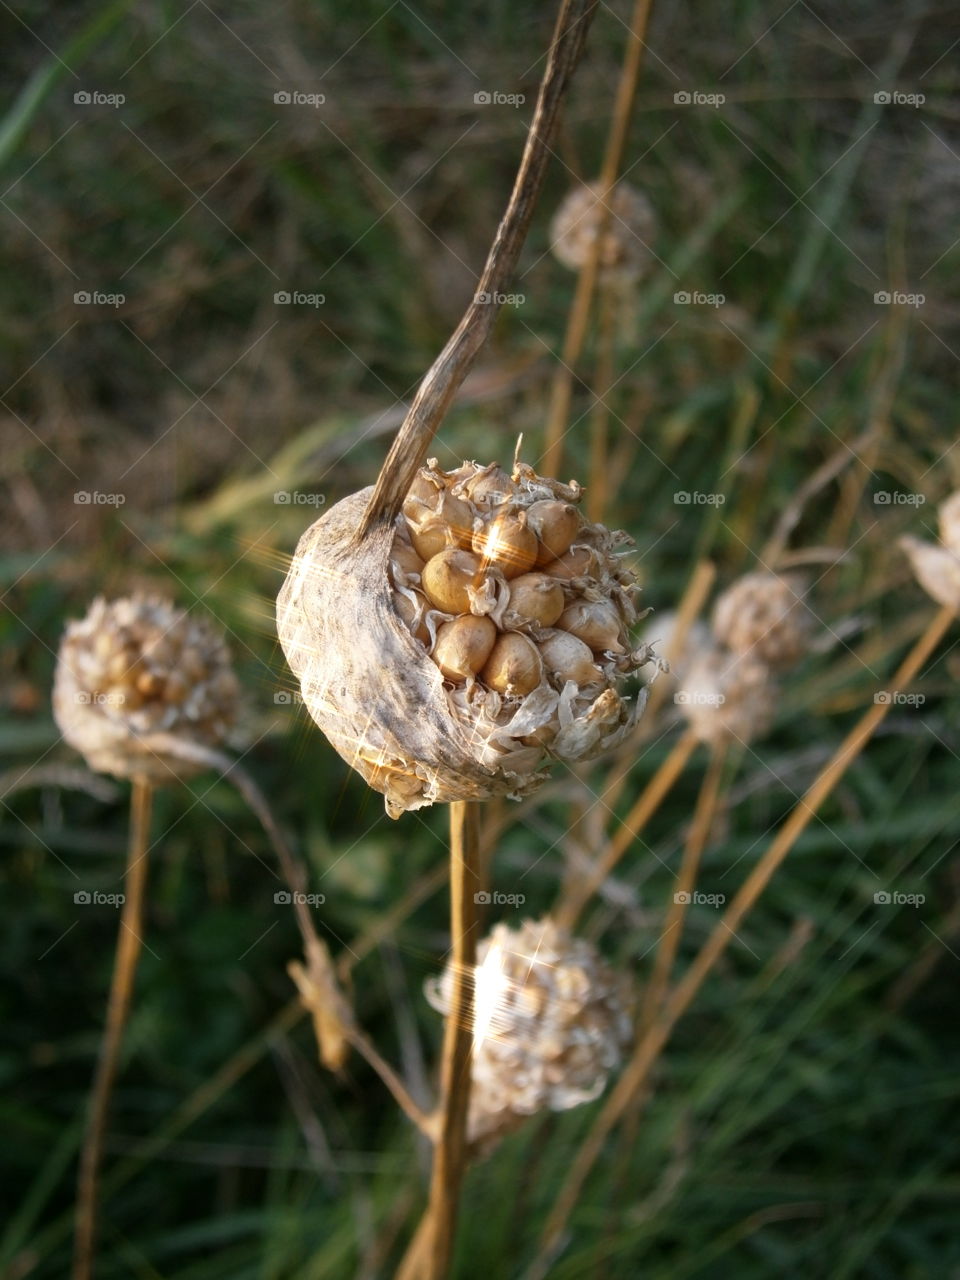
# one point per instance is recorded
(727, 698)
(138, 667)
(631, 226)
(551, 1022)
(460, 676)
(763, 616)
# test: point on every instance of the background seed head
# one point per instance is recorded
(551, 1022)
(137, 667)
(763, 616)
(631, 226)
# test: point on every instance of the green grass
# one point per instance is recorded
(803, 1117)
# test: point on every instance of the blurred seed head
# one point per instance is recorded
(631, 226)
(551, 1022)
(138, 667)
(763, 616)
(727, 698)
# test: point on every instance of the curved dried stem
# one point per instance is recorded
(445, 375)
(635, 1076)
(129, 945)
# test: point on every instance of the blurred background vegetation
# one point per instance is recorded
(804, 1118)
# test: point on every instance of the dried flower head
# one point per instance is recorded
(137, 670)
(502, 655)
(725, 697)
(631, 225)
(949, 519)
(551, 1021)
(936, 568)
(763, 616)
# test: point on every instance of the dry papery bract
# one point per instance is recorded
(136, 676)
(936, 566)
(551, 1021)
(450, 655)
(631, 225)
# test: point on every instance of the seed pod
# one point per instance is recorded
(567, 658)
(411, 606)
(536, 597)
(505, 543)
(447, 576)
(381, 699)
(581, 562)
(556, 525)
(404, 559)
(463, 646)
(630, 226)
(764, 616)
(137, 674)
(596, 623)
(514, 667)
(551, 1021)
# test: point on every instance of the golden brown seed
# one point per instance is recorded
(514, 666)
(409, 610)
(505, 543)
(490, 488)
(450, 523)
(463, 646)
(405, 558)
(596, 623)
(537, 597)
(568, 658)
(431, 536)
(446, 577)
(556, 524)
(150, 684)
(582, 562)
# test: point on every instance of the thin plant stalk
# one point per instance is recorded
(433, 1244)
(579, 317)
(697, 837)
(645, 806)
(598, 483)
(129, 945)
(651, 1042)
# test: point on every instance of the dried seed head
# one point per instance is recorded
(417, 716)
(631, 226)
(764, 616)
(134, 669)
(556, 525)
(536, 597)
(949, 517)
(551, 1022)
(936, 568)
(463, 646)
(505, 543)
(514, 667)
(446, 578)
(725, 697)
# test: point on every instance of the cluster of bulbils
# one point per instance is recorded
(551, 1022)
(726, 673)
(523, 605)
(135, 676)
